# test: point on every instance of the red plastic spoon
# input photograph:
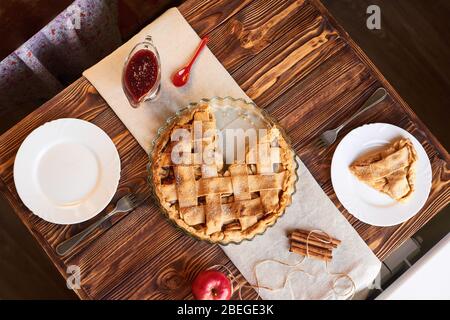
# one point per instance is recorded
(181, 77)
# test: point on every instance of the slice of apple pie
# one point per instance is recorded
(390, 170)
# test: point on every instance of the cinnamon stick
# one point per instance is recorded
(303, 239)
(311, 254)
(312, 249)
(314, 235)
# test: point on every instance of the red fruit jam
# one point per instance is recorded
(141, 74)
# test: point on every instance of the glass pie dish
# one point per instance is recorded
(233, 181)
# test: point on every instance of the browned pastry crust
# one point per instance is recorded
(217, 202)
(390, 170)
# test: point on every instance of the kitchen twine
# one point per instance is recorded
(349, 293)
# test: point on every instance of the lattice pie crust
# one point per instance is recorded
(217, 202)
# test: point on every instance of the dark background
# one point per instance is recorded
(412, 50)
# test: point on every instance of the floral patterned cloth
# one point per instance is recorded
(76, 39)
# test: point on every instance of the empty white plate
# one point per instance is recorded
(365, 203)
(67, 171)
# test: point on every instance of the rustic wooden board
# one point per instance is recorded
(293, 60)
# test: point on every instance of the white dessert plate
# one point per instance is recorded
(367, 204)
(67, 171)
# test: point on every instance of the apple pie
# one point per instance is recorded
(215, 201)
(390, 170)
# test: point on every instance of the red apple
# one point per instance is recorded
(211, 285)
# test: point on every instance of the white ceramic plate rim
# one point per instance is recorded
(363, 202)
(74, 131)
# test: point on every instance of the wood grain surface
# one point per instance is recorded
(293, 60)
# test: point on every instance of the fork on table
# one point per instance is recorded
(125, 204)
(329, 137)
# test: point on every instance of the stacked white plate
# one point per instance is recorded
(364, 202)
(67, 171)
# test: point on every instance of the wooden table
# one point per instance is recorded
(292, 59)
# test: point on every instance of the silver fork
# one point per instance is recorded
(329, 137)
(125, 204)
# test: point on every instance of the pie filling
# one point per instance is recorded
(217, 201)
(390, 170)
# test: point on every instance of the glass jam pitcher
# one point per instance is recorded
(141, 75)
